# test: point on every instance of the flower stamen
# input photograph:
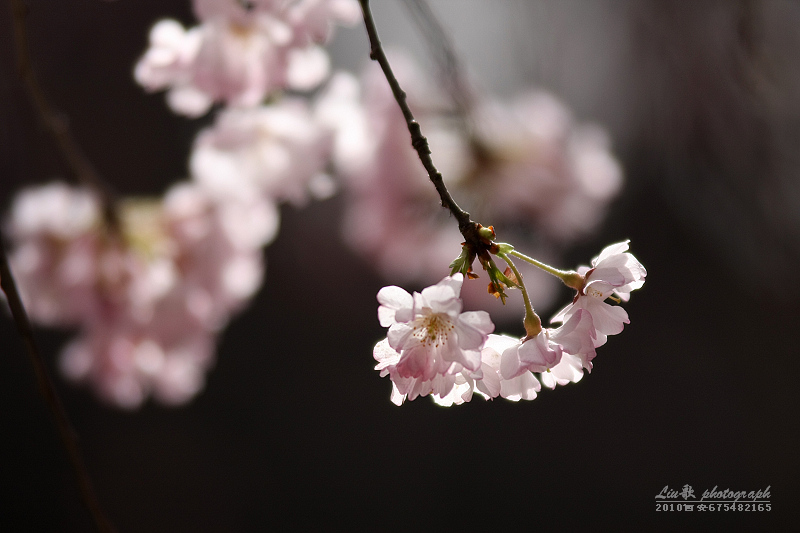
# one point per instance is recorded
(432, 330)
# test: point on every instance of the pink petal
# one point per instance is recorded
(537, 355)
(510, 365)
(398, 335)
(577, 335)
(472, 328)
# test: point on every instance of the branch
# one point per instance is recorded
(56, 123)
(48, 391)
(441, 47)
(468, 228)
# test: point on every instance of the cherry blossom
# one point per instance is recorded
(568, 370)
(429, 331)
(492, 384)
(278, 151)
(125, 359)
(523, 386)
(459, 387)
(240, 55)
(54, 229)
(404, 387)
(614, 271)
(545, 350)
(149, 298)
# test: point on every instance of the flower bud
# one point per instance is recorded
(486, 233)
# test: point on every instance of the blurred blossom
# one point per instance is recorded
(240, 55)
(55, 230)
(526, 167)
(278, 151)
(148, 301)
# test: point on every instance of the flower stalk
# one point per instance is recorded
(532, 322)
(570, 278)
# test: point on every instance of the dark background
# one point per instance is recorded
(295, 430)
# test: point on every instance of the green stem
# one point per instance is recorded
(547, 268)
(569, 277)
(533, 324)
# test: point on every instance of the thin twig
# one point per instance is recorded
(468, 228)
(441, 47)
(48, 391)
(56, 123)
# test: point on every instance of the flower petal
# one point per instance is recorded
(607, 319)
(577, 335)
(537, 354)
(523, 387)
(398, 335)
(392, 300)
(472, 328)
(510, 365)
(611, 249)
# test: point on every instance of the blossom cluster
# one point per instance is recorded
(150, 288)
(241, 52)
(150, 293)
(149, 299)
(432, 347)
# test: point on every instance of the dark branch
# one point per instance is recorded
(56, 123)
(468, 228)
(48, 391)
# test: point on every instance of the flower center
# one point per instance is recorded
(591, 291)
(432, 330)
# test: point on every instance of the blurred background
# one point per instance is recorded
(295, 431)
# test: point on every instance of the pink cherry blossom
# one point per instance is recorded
(545, 351)
(54, 229)
(491, 383)
(523, 386)
(149, 298)
(440, 385)
(459, 387)
(614, 271)
(278, 151)
(533, 143)
(126, 360)
(217, 246)
(239, 56)
(568, 370)
(429, 331)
